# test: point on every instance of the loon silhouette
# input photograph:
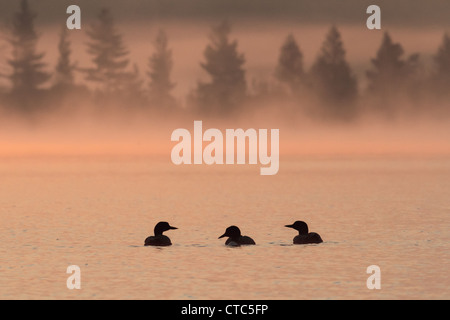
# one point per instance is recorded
(159, 239)
(235, 238)
(304, 237)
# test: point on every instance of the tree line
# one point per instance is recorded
(328, 89)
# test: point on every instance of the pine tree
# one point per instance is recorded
(442, 62)
(160, 67)
(109, 55)
(27, 66)
(3, 74)
(3, 71)
(332, 78)
(290, 64)
(390, 73)
(65, 68)
(227, 89)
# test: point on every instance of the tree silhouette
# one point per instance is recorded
(3, 70)
(109, 56)
(332, 78)
(27, 66)
(442, 62)
(64, 68)
(290, 64)
(390, 73)
(160, 66)
(3, 73)
(227, 89)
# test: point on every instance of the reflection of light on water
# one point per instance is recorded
(115, 204)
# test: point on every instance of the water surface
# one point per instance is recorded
(96, 213)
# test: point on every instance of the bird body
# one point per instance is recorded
(311, 237)
(304, 236)
(235, 239)
(159, 239)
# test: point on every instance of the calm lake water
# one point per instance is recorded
(96, 213)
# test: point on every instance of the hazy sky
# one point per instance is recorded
(403, 12)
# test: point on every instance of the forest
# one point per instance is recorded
(397, 84)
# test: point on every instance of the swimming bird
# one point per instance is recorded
(304, 236)
(235, 238)
(159, 239)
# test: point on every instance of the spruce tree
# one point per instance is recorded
(442, 63)
(224, 64)
(27, 67)
(391, 72)
(64, 68)
(160, 67)
(3, 73)
(290, 64)
(332, 78)
(3, 68)
(109, 55)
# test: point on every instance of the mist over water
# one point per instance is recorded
(142, 136)
(80, 123)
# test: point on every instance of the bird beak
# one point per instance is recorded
(173, 228)
(289, 226)
(224, 235)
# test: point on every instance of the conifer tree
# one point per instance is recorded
(160, 67)
(64, 68)
(224, 64)
(3, 73)
(290, 64)
(27, 67)
(332, 78)
(391, 72)
(442, 63)
(3, 70)
(109, 55)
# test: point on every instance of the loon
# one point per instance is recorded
(304, 237)
(234, 237)
(159, 239)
